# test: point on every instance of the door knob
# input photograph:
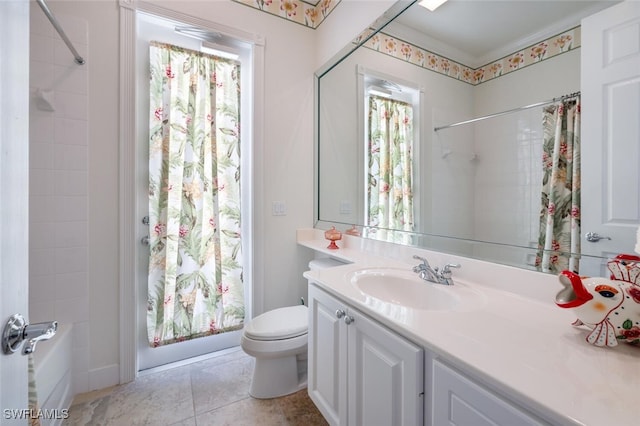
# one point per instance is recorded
(594, 237)
(340, 313)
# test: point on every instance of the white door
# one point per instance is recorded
(14, 170)
(610, 131)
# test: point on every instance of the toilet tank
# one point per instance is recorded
(322, 263)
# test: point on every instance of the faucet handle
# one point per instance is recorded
(447, 272)
(448, 266)
(420, 269)
(415, 256)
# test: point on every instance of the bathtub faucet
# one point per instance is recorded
(33, 333)
(16, 330)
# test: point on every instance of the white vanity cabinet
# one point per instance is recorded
(360, 372)
(456, 399)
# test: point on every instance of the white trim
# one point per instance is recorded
(189, 361)
(127, 195)
(418, 100)
(258, 204)
(361, 116)
(104, 377)
(151, 8)
(128, 173)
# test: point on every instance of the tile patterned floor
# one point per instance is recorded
(210, 392)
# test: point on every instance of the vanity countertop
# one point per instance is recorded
(525, 347)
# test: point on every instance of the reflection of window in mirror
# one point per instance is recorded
(391, 111)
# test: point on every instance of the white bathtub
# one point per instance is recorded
(52, 364)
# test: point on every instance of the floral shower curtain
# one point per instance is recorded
(560, 212)
(195, 265)
(390, 164)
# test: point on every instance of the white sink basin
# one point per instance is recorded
(404, 288)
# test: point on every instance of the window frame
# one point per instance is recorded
(413, 94)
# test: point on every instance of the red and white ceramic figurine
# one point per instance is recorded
(610, 307)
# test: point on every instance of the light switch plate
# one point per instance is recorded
(278, 208)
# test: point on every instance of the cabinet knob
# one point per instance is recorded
(340, 313)
(348, 320)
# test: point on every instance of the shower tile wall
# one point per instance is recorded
(509, 181)
(489, 183)
(58, 196)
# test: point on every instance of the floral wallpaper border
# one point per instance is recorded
(298, 11)
(538, 52)
(312, 15)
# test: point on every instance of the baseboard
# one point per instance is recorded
(104, 377)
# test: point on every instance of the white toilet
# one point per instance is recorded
(278, 341)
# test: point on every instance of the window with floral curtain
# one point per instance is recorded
(195, 265)
(559, 241)
(390, 164)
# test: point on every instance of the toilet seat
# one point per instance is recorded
(279, 324)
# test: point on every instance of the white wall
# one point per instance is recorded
(344, 24)
(545, 80)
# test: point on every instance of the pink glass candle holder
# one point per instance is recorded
(353, 231)
(333, 235)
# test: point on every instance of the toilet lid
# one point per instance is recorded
(278, 324)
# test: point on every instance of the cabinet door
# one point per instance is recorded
(385, 376)
(327, 376)
(459, 401)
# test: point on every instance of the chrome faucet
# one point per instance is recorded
(424, 270)
(427, 273)
(34, 333)
(16, 331)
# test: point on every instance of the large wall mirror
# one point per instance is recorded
(468, 93)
